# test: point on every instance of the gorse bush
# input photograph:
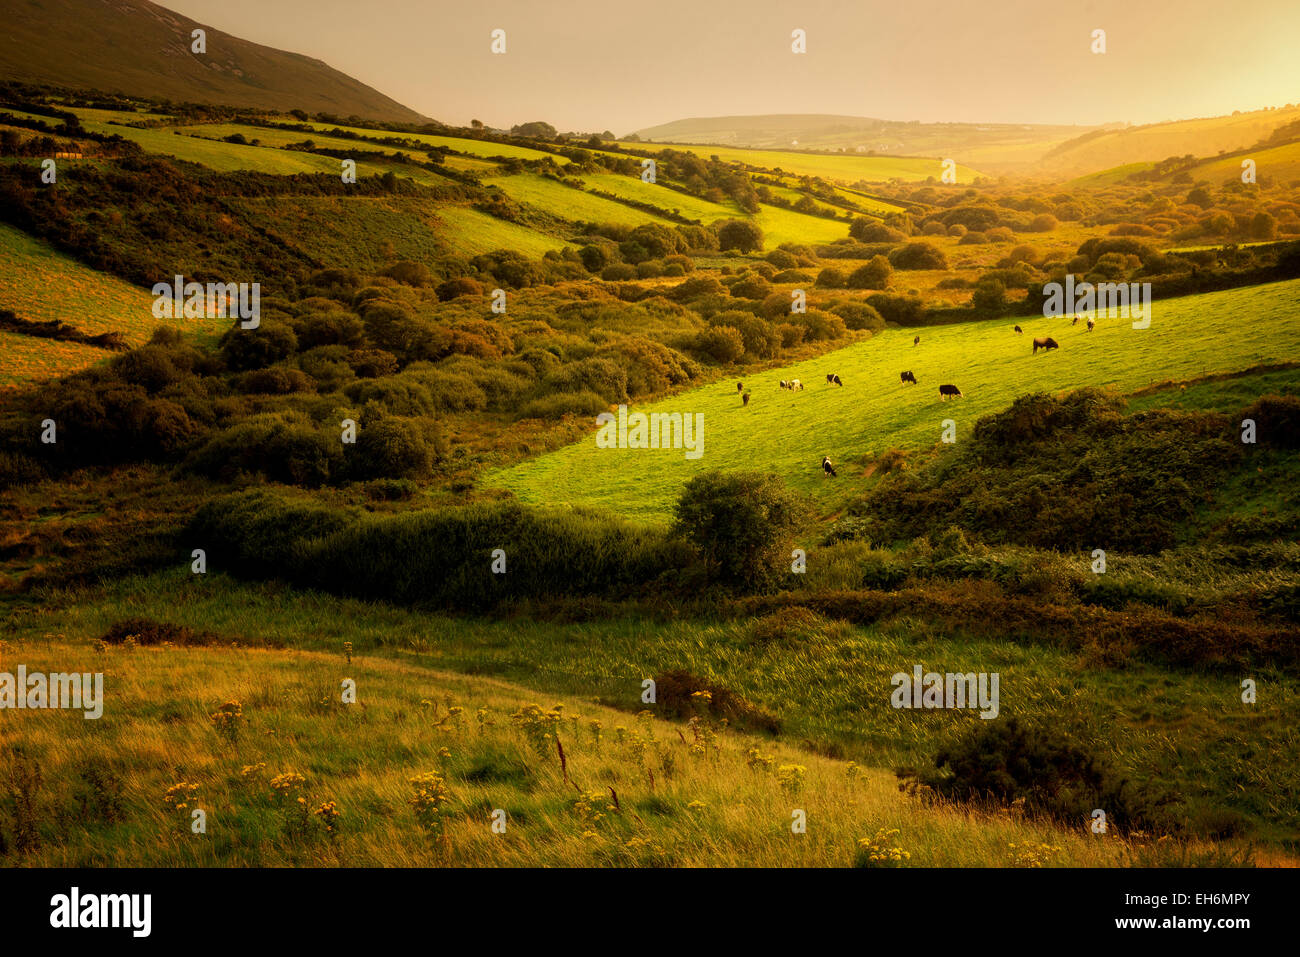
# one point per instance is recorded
(1047, 770)
(1064, 473)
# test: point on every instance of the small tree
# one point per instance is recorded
(742, 523)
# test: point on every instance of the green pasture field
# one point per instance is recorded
(788, 432)
(43, 284)
(568, 203)
(631, 187)
(460, 144)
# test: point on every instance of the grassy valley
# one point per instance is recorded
(399, 475)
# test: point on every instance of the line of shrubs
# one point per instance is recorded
(442, 558)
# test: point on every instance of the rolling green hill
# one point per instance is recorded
(138, 48)
(1279, 164)
(844, 167)
(788, 433)
(1104, 150)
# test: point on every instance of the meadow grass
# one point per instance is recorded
(355, 231)
(631, 187)
(27, 358)
(95, 115)
(877, 207)
(633, 790)
(470, 232)
(223, 157)
(48, 285)
(788, 433)
(826, 682)
(278, 138)
(786, 226)
(568, 203)
(472, 147)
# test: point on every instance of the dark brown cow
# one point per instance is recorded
(1046, 343)
(744, 399)
(948, 391)
(906, 377)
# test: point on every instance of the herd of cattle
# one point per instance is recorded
(946, 391)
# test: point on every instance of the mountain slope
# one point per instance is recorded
(138, 48)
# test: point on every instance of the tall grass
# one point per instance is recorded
(631, 791)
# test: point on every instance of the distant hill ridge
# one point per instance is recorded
(137, 48)
(1049, 149)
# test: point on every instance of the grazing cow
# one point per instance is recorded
(1019, 331)
(1090, 324)
(947, 391)
(916, 341)
(740, 387)
(744, 398)
(906, 377)
(835, 379)
(827, 467)
(795, 385)
(1048, 343)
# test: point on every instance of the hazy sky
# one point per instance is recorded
(590, 65)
